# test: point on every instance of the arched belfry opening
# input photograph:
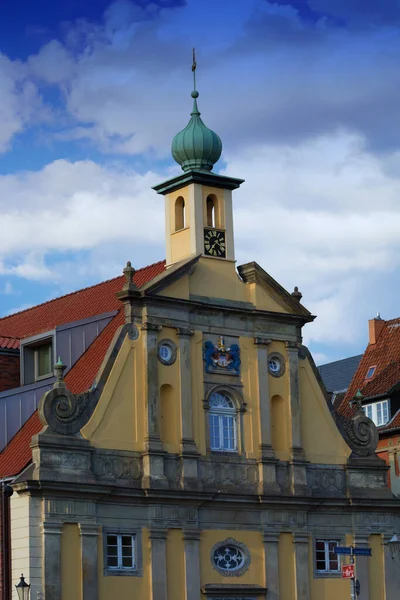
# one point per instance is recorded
(212, 211)
(180, 214)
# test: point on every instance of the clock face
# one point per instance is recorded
(214, 243)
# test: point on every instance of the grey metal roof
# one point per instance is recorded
(337, 375)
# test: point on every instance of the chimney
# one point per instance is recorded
(375, 327)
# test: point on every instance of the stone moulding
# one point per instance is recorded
(65, 413)
(359, 432)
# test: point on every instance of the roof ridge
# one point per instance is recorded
(25, 310)
(339, 360)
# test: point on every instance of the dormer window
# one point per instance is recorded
(370, 372)
(378, 412)
(37, 359)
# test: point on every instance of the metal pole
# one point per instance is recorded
(353, 579)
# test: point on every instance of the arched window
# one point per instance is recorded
(180, 216)
(223, 434)
(212, 211)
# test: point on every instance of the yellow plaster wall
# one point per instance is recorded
(376, 569)
(264, 300)
(199, 429)
(287, 585)
(328, 446)
(168, 375)
(180, 245)
(220, 220)
(252, 539)
(118, 419)
(71, 568)
(217, 279)
(175, 565)
(113, 587)
(251, 418)
(177, 289)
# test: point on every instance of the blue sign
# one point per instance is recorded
(362, 551)
(342, 550)
(352, 551)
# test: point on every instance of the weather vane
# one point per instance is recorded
(194, 65)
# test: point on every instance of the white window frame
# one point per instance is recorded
(119, 537)
(49, 344)
(371, 410)
(30, 345)
(220, 413)
(373, 367)
(327, 571)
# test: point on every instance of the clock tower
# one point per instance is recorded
(198, 203)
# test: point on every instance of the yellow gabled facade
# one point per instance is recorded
(206, 461)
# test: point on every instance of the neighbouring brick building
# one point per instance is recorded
(378, 379)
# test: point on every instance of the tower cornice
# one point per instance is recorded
(203, 177)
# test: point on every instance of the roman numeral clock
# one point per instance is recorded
(214, 243)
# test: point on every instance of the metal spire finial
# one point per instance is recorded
(194, 65)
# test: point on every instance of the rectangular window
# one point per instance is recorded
(326, 561)
(370, 372)
(43, 361)
(223, 433)
(37, 359)
(120, 552)
(378, 412)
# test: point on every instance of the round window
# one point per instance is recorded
(229, 558)
(165, 352)
(274, 365)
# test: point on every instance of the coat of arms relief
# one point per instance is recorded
(219, 357)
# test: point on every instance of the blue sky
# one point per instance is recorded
(304, 94)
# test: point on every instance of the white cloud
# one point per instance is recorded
(20, 102)
(322, 215)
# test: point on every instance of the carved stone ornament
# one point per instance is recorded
(359, 433)
(217, 358)
(230, 558)
(66, 413)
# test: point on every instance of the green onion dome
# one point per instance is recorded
(196, 147)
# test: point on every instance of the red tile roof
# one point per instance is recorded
(385, 356)
(9, 343)
(17, 454)
(78, 305)
(84, 303)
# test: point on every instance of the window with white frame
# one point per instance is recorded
(37, 359)
(120, 552)
(223, 434)
(378, 412)
(326, 561)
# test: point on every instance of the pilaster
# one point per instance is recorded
(392, 571)
(52, 559)
(298, 463)
(266, 461)
(362, 566)
(188, 448)
(153, 457)
(271, 564)
(158, 564)
(301, 549)
(89, 556)
(192, 564)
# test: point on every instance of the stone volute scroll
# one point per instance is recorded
(359, 432)
(59, 409)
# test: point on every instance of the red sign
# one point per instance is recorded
(348, 571)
